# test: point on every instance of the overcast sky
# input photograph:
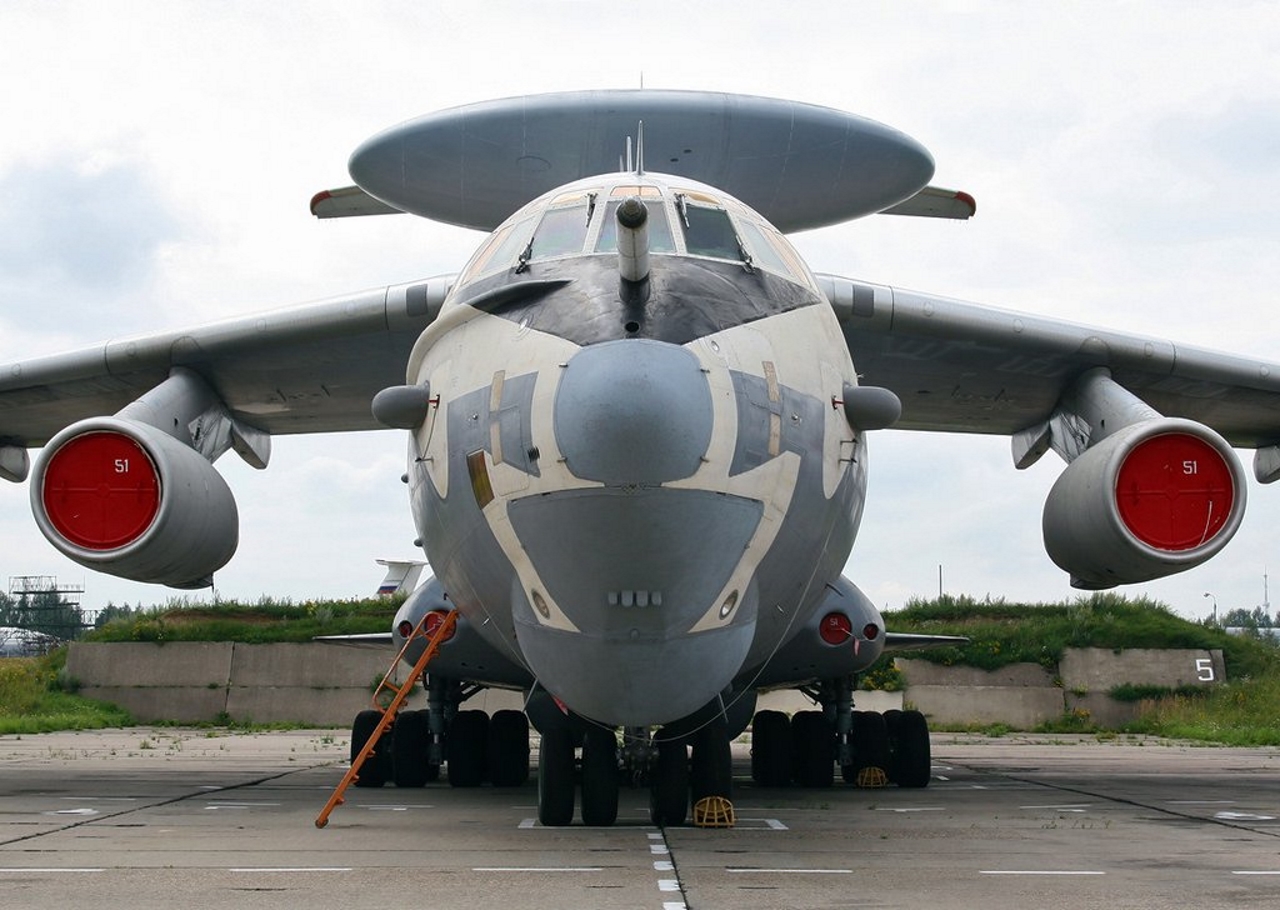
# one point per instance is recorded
(157, 161)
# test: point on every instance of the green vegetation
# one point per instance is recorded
(267, 621)
(1244, 710)
(37, 697)
(1002, 633)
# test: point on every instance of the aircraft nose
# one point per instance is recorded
(633, 412)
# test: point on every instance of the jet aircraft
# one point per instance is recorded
(637, 436)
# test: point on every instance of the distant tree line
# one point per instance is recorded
(1257, 618)
(42, 611)
(47, 612)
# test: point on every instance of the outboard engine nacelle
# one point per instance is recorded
(125, 498)
(1155, 498)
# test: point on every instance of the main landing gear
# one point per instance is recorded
(871, 749)
(471, 746)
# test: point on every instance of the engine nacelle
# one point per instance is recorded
(125, 498)
(844, 636)
(1155, 498)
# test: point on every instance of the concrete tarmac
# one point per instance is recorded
(160, 817)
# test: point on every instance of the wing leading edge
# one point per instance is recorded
(965, 367)
(312, 368)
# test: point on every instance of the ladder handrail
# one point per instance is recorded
(402, 691)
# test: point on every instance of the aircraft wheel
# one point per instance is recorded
(912, 758)
(870, 745)
(555, 778)
(711, 770)
(374, 771)
(813, 749)
(468, 745)
(599, 777)
(409, 748)
(669, 793)
(771, 749)
(509, 749)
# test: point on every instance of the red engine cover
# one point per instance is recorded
(1174, 492)
(101, 491)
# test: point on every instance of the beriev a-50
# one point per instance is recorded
(638, 429)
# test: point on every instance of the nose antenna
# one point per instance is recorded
(636, 165)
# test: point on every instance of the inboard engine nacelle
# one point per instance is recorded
(1155, 498)
(125, 498)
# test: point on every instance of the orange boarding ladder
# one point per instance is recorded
(402, 692)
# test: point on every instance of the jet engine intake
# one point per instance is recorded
(125, 498)
(1155, 498)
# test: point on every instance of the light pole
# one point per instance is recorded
(1215, 606)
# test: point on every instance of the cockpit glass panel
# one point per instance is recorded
(660, 239)
(644, 192)
(562, 231)
(763, 251)
(708, 232)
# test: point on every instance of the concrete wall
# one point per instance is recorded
(1026, 695)
(328, 684)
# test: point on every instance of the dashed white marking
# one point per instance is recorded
(657, 836)
(218, 806)
(1243, 817)
(84, 811)
(664, 865)
(99, 799)
(659, 849)
(909, 808)
(1067, 807)
(1256, 872)
(251, 870)
(747, 870)
(537, 869)
(668, 884)
(46, 870)
(674, 905)
(1200, 802)
(1039, 872)
(398, 808)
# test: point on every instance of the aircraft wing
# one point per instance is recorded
(969, 368)
(306, 369)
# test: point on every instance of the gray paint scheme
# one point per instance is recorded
(800, 165)
(633, 412)
(471, 420)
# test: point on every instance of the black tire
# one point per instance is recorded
(912, 759)
(409, 749)
(468, 746)
(771, 749)
(870, 745)
(555, 779)
(669, 793)
(373, 773)
(711, 768)
(812, 749)
(509, 749)
(599, 777)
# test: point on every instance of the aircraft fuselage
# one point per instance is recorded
(637, 488)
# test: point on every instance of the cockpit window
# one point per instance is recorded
(562, 231)
(708, 232)
(660, 239)
(763, 251)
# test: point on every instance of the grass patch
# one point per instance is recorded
(1003, 633)
(1241, 713)
(266, 622)
(33, 699)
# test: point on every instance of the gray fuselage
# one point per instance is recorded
(637, 489)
